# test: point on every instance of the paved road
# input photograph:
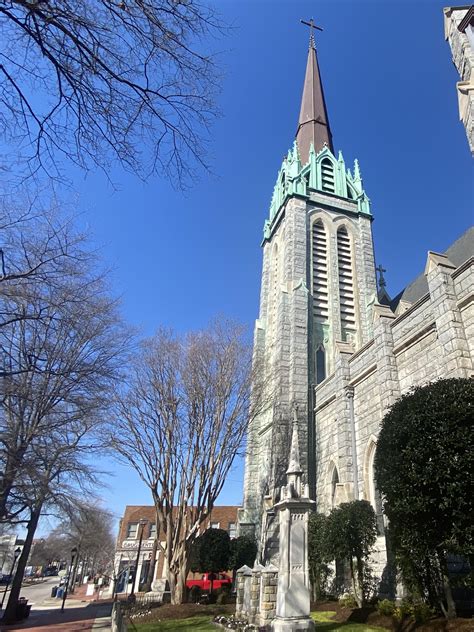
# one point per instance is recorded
(36, 593)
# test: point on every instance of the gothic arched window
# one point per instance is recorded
(328, 182)
(346, 284)
(320, 364)
(334, 484)
(375, 498)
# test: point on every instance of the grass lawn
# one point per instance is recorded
(325, 623)
(202, 623)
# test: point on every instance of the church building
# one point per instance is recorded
(339, 351)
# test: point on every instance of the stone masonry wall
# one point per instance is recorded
(431, 340)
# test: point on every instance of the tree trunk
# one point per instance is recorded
(177, 583)
(12, 465)
(450, 612)
(360, 581)
(10, 611)
(151, 571)
(355, 587)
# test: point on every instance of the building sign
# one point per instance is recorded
(130, 545)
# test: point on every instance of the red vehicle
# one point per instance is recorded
(218, 580)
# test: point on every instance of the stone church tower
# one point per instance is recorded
(337, 353)
(318, 286)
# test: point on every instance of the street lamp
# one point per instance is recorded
(73, 555)
(142, 522)
(16, 555)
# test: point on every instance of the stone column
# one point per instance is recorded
(457, 360)
(268, 594)
(242, 607)
(293, 590)
(255, 593)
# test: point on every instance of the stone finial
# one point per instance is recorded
(294, 471)
(294, 466)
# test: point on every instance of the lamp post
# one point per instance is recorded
(16, 555)
(73, 555)
(141, 524)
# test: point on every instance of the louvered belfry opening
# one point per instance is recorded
(320, 274)
(346, 285)
(327, 176)
(274, 288)
(320, 295)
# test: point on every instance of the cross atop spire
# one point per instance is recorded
(312, 25)
(382, 282)
(313, 125)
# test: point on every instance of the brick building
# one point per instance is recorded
(140, 520)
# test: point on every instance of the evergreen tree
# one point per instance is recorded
(317, 553)
(351, 531)
(210, 553)
(423, 467)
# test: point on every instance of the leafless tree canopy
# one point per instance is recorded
(180, 424)
(103, 80)
(88, 528)
(63, 347)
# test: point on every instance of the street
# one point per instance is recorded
(80, 613)
(37, 593)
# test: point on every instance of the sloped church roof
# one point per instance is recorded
(459, 252)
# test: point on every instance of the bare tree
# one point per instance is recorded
(62, 342)
(39, 248)
(102, 81)
(88, 527)
(61, 473)
(73, 355)
(181, 422)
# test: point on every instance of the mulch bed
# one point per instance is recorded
(186, 610)
(370, 616)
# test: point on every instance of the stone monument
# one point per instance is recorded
(293, 591)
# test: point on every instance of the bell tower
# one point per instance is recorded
(318, 283)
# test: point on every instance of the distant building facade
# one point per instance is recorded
(9, 543)
(128, 539)
(459, 31)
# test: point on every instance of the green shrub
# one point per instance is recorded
(195, 593)
(386, 607)
(404, 609)
(348, 601)
(223, 594)
(422, 612)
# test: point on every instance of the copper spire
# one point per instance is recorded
(313, 124)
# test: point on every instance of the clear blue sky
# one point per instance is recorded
(390, 91)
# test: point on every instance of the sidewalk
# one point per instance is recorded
(81, 614)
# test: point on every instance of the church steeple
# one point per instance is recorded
(313, 124)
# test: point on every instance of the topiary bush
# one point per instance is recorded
(386, 607)
(348, 601)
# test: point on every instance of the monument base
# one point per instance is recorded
(291, 624)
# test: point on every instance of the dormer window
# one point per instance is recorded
(328, 182)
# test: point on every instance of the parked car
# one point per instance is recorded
(5, 578)
(218, 580)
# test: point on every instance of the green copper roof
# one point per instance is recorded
(323, 172)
